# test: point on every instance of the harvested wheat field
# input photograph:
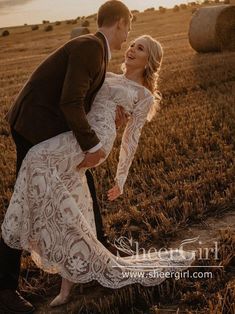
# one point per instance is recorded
(181, 184)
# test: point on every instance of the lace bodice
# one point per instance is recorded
(137, 101)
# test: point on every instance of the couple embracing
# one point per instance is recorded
(64, 122)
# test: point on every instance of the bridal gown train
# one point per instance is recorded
(50, 213)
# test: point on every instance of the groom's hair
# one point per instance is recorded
(112, 11)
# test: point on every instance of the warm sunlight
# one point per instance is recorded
(19, 12)
(117, 149)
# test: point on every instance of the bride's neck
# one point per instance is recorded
(135, 76)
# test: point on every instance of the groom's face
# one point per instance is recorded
(122, 30)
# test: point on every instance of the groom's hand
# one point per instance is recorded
(91, 159)
(121, 117)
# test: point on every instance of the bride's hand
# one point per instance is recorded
(113, 193)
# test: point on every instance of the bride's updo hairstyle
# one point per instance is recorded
(151, 71)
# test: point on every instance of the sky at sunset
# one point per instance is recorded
(19, 12)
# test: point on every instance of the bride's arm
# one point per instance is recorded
(129, 143)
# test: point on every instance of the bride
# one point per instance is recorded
(50, 212)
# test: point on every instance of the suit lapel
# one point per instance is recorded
(95, 87)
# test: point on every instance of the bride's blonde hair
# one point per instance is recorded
(151, 72)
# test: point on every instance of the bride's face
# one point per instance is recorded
(136, 55)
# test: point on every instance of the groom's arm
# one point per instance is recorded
(85, 58)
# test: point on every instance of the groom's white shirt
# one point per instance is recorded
(108, 46)
(99, 145)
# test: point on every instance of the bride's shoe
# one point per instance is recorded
(64, 296)
(59, 300)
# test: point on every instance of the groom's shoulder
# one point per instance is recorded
(88, 41)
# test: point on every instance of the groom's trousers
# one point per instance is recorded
(10, 258)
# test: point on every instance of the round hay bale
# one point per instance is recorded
(134, 18)
(48, 28)
(149, 10)
(5, 33)
(213, 29)
(183, 6)
(78, 31)
(162, 10)
(176, 8)
(34, 27)
(85, 23)
(135, 11)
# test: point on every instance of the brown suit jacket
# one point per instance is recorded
(60, 92)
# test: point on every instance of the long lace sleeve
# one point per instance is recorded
(130, 139)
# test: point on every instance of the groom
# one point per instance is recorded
(55, 99)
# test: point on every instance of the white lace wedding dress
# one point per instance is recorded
(50, 213)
